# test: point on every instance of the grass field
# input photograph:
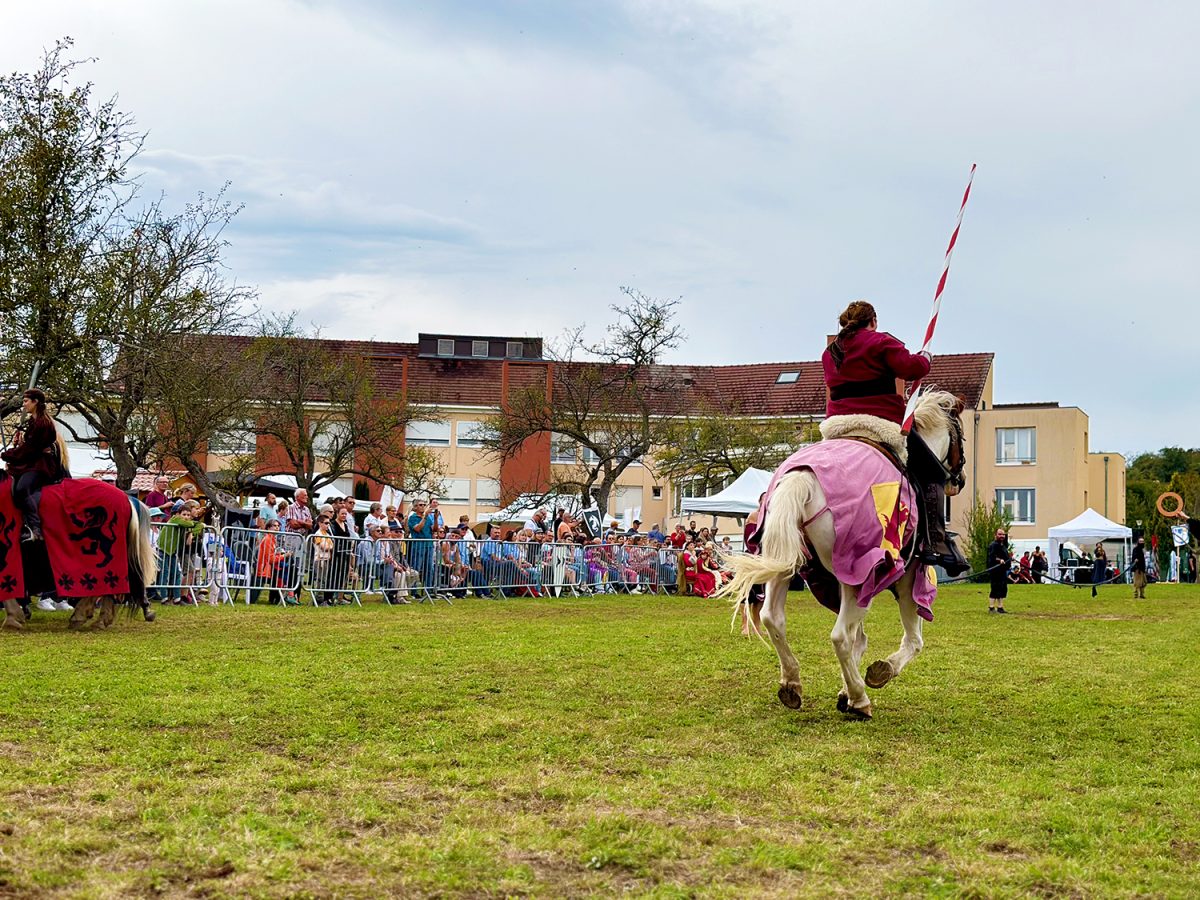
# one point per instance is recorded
(568, 747)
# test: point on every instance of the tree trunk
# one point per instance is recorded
(125, 463)
(210, 490)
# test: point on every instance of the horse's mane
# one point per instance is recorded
(934, 410)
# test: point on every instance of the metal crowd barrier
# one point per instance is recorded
(186, 563)
(273, 566)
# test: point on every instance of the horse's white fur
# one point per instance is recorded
(796, 500)
(141, 548)
(885, 431)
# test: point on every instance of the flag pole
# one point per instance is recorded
(937, 301)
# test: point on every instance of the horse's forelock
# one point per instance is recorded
(934, 409)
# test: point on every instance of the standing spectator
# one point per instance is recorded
(183, 495)
(692, 532)
(343, 556)
(536, 523)
(393, 519)
(565, 528)
(635, 529)
(157, 498)
(1173, 566)
(322, 561)
(1191, 567)
(422, 522)
(172, 543)
(655, 533)
(678, 537)
(375, 519)
(1038, 565)
(1100, 565)
(299, 518)
(270, 508)
(999, 560)
(1138, 567)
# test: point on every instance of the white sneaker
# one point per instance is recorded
(63, 606)
(45, 604)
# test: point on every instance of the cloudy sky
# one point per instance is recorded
(505, 167)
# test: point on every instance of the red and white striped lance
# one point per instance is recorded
(937, 301)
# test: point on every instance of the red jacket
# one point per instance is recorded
(34, 452)
(865, 383)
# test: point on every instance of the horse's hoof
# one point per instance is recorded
(150, 615)
(791, 696)
(857, 712)
(843, 703)
(74, 624)
(879, 673)
(11, 624)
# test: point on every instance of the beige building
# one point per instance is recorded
(1034, 458)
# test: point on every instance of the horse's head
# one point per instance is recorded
(938, 421)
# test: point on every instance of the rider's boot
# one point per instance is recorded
(938, 547)
(15, 617)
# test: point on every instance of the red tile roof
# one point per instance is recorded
(752, 389)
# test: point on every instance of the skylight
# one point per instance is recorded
(787, 378)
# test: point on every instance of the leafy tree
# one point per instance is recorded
(326, 413)
(611, 399)
(983, 520)
(718, 443)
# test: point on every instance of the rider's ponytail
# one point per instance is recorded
(858, 315)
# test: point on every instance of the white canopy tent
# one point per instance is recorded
(739, 499)
(1089, 527)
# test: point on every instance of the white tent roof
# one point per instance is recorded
(1089, 527)
(739, 499)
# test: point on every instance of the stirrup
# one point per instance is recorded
(29, 534)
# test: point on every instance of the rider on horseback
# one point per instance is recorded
(33, 462)
(865, 372)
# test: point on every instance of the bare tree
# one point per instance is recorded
(326, 413)
(612, 399)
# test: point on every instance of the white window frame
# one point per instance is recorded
(445, 346)
(558, 445)
(487, 491)
(323, 443)
(470, 437)
(1013, 504)
(1016, 433)
(477, 346)
(427, 434)
(236, 430)
(787, 378)
(514, 349)
(456, 491)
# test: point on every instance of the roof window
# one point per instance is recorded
(787, 378)
(445, 346)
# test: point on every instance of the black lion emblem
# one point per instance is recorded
(96, 533)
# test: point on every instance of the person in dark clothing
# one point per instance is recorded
(1138, 567)
(865, 370)
(999, 560)
(1038, 564)
(33, 462)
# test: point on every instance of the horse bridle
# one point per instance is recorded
(956, 457)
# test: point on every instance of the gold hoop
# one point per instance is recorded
(1177, 512)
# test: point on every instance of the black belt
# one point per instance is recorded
(884, 384)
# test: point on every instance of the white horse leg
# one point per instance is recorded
(882, 671)
(844, 635)
(774, 619)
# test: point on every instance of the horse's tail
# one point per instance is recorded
(143, 565)
(782, 550)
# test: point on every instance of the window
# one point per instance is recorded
(1015, 446)
(238, 439)
(327, 438)
(787, 378)
(563, 449)
(429, 434)
(487, 491)
(455, 490)
(627, 497)
(514, 349)
(445, 346)
(479, 348)
(1020, 503)
(656, 493)
(471, 434)
(589, 457)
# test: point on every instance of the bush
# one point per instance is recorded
(983, 520)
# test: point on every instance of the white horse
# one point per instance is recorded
(797, 526)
